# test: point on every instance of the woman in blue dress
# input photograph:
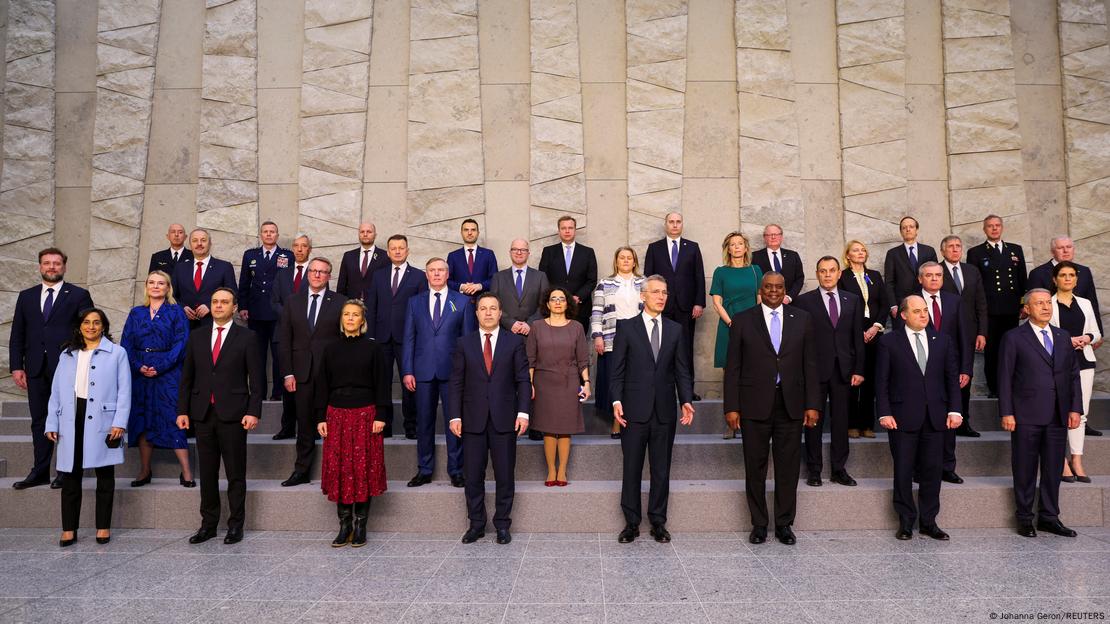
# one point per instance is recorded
(155, 336)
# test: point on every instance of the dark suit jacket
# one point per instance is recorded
(952, 324)
(302, 350)
(256, 281)
(973, 298)
(749, 382)
(237, 379)
(478, 397)
(907, 395)
(218, 273)
(426, 349)
(163, 260)
(35, 342)
(878, 306)
(839, 349)
(385, 312)
(526, 308)
(792, 270)
(283, 287)
(686, 282)
(352, 283)
(901, 277)
(645, 386)
(1033, 387)
(1003, 274)
(485, 265)
(1041, 277)
(581, 279)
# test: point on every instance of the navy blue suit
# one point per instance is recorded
(218, 273)
(257, 277)
(385, 317)
(352, 283)
(426, 355)
(685, 285)
(458, 272)
(1038, 390)
(279, 295)
(920, 404)
(488, 404)
(33, 347)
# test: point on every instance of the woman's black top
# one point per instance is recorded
(354, 373)
(1072, 321)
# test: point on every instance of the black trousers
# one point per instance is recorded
(306, 427)
(392, 351)
(655, 439)
(838, 394)
(1033, 447)
(779, 436)
(288, 412)
(950, 434)
(861, 399)
(38, 397)
(687, 322)
(603, 407)
(222, 441)
(917, 452)
(997, 326)
(478, 448)
(71, 482)
(265, 331)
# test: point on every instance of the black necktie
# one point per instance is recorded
(175, 256)
(48, 304)
(312, 314)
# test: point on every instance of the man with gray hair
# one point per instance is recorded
(1002, 265)
(1063, 249)
(195, 279)
(965, 281)
(290, 281)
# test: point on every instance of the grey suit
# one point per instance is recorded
(524, 308)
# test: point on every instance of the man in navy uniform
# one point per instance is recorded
(256, 283)
(167, 259)
(1002, 265)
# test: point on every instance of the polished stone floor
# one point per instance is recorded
(868, 576)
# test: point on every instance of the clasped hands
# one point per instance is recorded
(249, 422)
(686, 419)
(811, 418)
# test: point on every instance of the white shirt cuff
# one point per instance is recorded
(522, 415)
(616, 402)
(955, 414)
(454, 419)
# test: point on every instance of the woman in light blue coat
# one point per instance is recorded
(90, 402)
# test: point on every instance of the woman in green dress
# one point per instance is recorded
(735, 288)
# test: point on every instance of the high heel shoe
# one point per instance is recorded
(183, 482)
(68, 542)
(104, 540)
(141, 482)
(1076, 476)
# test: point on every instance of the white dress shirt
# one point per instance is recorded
(180, 250)
(42, 294)
(567, 246)
(523, 275)
(493, 347)
(913, 247)
(626, 302)
(924, 346)
(404, 266)
(203, 267)
(929, 303)
(319, 301)
(223, 339)
(767, 315)
(646, 317)
(432, 301)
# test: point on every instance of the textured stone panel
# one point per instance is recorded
(386, 110)
(984, 127)
(871, 42)
(504, 41)
(977, 87)
(75, 56)
(978, 54)
(1088, 149)
(985, 169)
(505, 131)
(870, 116)
(710, 141)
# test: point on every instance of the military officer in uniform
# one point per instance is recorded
(257, 276)
(1002, 266)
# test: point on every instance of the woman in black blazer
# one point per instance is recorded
(868, 285)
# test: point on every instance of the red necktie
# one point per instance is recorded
(365, 261)
(216, 355)
(936, 313)
(196, 276)
(487, 354)
(470, 261)
(297, 280)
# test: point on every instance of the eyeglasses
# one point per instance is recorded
(320, 271)
(557, 300)
(518, 250)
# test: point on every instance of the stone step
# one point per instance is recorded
(592, 506)
(597, 458)
(3, 468)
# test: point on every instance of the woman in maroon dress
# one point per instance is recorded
(354, 383)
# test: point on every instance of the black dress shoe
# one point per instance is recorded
(1091, 431)
(696, 397)
(203, 535)
(1083, 478)
(813, 480)
(935, 533)
(458, 481)
(1026, 530)
(410, 436)
(62, 543)
(234, 536)
(284, 435)
(758, 535)
(950, 476)
(1067, 478)
(1056, 528)
(297, 478)
(843, 478)
(56, 484)
(103, 540)
(785, 535)
(472, 535)
(904, 534)
(187, 484)
(966, 431)
(629, 534)
(660, 533)
(29, 483)
(141, 482)
(503, 536)
(419, 480)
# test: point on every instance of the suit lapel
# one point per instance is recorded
(499, 351)
(1033, 334)
(325, 303)
(766, 333)
(57, 300)
(907, 349)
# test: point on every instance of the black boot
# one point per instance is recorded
(345, 528)
(362, 511)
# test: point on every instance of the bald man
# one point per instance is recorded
(519, 288)
(358, 265)
(167, 259)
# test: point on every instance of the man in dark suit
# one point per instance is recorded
(1002, 266)
(472, 267)
(491, 397)
(773, 257)
(434, 321)
(572, 266)
(356, 270)
(679, 261)
(195, 279)
(902, 262)
(837, 318)
(223, 381)
(288, 282)
(387, 303)
(965, 280)
(917, 389)
(45, 316)
(650, 367)
(257, 275)
(771, 385)
(309, 323)
(519, 289)
(1039, 399)
(168, 259)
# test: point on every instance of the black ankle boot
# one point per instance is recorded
(362, 511)
(345, 528)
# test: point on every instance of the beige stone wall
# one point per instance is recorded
(831, 117)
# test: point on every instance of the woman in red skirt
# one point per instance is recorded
(354, 383)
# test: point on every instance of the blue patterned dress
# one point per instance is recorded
(158, 342)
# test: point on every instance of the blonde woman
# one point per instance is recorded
(616, 298)
(867, 284)
(735, 288)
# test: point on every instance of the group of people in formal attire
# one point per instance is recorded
(505, 353)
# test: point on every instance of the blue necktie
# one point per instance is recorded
(48, 304)
(674, 255)
(776, 337)
(775, 259)
(1047, 341)
(312, 314)
(567, 255)
(913, 257)
(519, 284)
(437, 315)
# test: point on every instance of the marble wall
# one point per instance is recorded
(833, 118)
